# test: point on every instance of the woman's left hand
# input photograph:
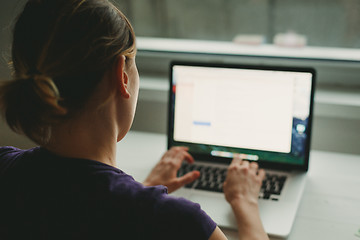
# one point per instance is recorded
(164, 173)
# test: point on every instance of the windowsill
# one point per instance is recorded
(167, 45)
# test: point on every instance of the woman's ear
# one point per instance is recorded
(122, 79)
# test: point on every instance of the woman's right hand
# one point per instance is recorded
(241, 189)
(243, 182)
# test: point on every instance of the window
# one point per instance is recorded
(325, 23)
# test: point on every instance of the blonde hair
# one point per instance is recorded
(60, 51)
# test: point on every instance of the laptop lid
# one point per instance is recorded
(263, 113)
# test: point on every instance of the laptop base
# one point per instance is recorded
(283, 210)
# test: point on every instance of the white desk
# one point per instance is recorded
(330, 207)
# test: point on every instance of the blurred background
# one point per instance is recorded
(326, 23)
(324, 34)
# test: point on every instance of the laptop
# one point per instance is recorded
(263, 113)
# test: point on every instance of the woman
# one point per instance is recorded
(74, 92)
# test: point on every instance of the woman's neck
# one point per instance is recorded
(90, 135)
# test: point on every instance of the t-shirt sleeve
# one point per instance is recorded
(181, 218)
(7, 155)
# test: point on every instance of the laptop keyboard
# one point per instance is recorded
(212, 179)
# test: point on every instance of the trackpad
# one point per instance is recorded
(217, 208)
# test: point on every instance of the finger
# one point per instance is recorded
(254, 166)
(181, 156)
(187, 178)
(245, 163)
(170, 153)
(190, 177)
(179, 148)
(188, 157)
(261, 174)
(236, 160)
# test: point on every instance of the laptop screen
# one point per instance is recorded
(263, 113)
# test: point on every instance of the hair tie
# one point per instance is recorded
(46, 89)
(32, 72)
(43, 84)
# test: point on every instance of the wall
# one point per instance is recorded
(8, 11)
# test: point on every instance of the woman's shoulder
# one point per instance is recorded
(9, 152)
(8, 155)
(8, 149)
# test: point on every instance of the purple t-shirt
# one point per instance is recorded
(44, 196)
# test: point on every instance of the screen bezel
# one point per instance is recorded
(264, 164)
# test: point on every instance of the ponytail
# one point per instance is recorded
(30, 105)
